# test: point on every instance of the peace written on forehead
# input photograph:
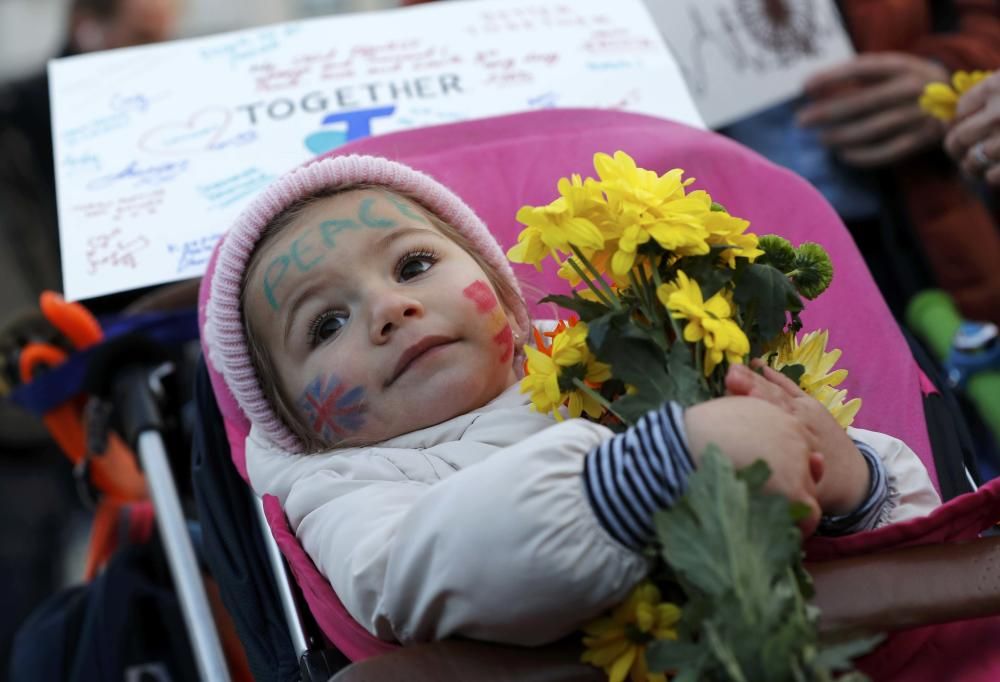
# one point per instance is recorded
(309, 248)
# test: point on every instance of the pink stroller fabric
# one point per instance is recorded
(497, 165)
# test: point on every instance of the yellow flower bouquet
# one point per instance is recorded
(668, 289)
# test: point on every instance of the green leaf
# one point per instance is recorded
(587, 310)
(637, 362)
(838, 657)
(687, 385)
(601, 331)
(632, 408)
(704, 537)
(736, 552)
(793, 372)
(706, 271)
(663, 655)
(755, 475)
(770, 295)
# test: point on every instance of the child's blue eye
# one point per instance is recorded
(326, 326)
(415, 263)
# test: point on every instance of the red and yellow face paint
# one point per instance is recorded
(487, 305)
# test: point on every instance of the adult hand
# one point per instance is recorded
(974, 136)
(846, 478)
(868, 108)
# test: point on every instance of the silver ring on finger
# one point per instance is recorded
(980, 157)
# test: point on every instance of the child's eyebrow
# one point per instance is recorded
(296, 303)
(383, 244)
(380, 247)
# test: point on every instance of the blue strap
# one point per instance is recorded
(53, 387)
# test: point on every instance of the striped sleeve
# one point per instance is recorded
(865, 517)
(635, 473)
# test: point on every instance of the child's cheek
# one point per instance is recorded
(486, 303)
(332, 408)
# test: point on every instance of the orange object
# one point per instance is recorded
(113, 472)
(72, 319)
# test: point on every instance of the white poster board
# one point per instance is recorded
(742, 56)
(159, 147)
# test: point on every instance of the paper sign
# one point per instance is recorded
(742, 56)
(158, 148)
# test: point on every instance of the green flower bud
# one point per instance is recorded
(813, 270)
(778, 253)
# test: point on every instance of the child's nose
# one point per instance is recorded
(391, 310)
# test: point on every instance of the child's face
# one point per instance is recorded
(377, 324)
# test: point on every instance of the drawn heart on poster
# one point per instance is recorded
(197, 134)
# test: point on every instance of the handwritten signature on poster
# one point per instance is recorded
(114, 249)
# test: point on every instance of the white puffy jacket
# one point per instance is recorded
(480, 526)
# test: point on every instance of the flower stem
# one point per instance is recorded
(641, 295)
(599, 398)
(597, 276)
(590, 285)
(651, 293)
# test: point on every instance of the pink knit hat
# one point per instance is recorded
(223, 330)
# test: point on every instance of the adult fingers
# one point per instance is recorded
(865, 67)
(893, 149)
(872, 98)
(982, 157)
(993, 175)
(874, 126)
(970, 131)
(976, 98)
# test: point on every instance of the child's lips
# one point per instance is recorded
(416, 352)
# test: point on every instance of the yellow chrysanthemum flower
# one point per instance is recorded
(726, 230)
(643, 205)
(833, 401)
(624, 183)
(940, 99)
(708, 321)
(546, 365)
(819, 377)
(617, 643)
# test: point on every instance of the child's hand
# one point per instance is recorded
(747, 429)
(845, 480)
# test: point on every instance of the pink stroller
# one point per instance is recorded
(499, 164)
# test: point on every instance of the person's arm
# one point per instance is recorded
(507, 550)
(909, 490)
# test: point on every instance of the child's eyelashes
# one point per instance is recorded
(412, 264)
(325, 326)
(415, 263)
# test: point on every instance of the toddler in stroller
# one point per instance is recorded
(322, 304)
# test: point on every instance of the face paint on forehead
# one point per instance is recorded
(309, 249)
(486, 303)
(332, 410)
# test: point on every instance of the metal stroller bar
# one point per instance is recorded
(282, 582)
(180, 555)
(316, 662)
